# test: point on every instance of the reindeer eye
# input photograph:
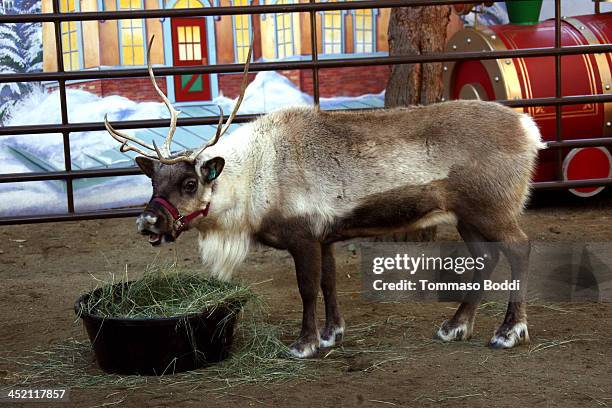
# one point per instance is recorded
(190, 186)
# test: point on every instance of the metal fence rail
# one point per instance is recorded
(65, 128)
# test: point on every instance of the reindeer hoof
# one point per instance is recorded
(449, 331)
(304, 348)
(508, 336)
(331, 335)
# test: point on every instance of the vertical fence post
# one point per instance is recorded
(315, 55)
(59, 56)
(558, 89)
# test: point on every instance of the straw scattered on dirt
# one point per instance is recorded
(260, 353)
(260, 356)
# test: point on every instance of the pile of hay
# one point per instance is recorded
(258, 353)
(165, 291)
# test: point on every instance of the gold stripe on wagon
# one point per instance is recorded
(603, 66)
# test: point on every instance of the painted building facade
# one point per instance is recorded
(109, 44)
(6, 6)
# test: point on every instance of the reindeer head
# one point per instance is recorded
(182, 183)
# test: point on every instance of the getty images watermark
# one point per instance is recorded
(432, 264)
(449, 272)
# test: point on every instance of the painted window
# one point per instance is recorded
(132, 35)
(71, 41)
(189, 43)
(242, 33)
(188, 4)
(333, 30)
(284, 32)
(365, 31)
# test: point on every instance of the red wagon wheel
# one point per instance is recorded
(585, 164)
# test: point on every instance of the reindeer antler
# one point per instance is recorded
(124, 138)
(164, 154)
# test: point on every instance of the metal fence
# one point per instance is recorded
(65, 128)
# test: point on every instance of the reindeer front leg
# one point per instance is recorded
(307, 258)
(334, 323)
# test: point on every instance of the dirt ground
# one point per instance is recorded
(43, 268)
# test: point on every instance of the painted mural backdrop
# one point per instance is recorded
(180, 41)
(20, 51)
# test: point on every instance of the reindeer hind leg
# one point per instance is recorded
(515, 245)
(460, 326)
(513, 330)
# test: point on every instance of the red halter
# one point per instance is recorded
(180, 221)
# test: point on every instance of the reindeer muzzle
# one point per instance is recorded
(180, 222)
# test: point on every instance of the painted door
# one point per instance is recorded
(189, 47)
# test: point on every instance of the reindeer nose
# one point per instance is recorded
(151, 219)
(146, 222)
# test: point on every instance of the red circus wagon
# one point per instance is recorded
(525, 78)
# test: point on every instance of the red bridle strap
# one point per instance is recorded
(180, 221)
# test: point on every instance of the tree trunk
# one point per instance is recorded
(415, 31)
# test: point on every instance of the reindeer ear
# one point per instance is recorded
(212, 168)
(146, 165)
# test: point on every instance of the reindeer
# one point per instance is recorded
(300, 179)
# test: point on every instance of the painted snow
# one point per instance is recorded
(89, 150)
(86, 148)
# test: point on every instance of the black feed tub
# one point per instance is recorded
(158, 346)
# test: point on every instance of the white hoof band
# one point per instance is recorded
(518, 334)
(308, 351)
(332, 339)
(460, 332)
